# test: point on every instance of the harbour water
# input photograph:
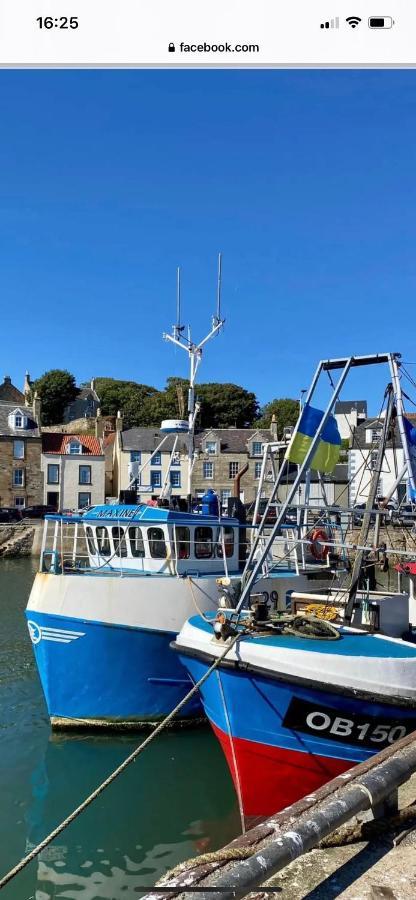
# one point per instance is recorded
(174, 802)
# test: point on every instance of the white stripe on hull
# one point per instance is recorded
(159, 603)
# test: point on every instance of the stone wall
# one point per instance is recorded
(16, 540)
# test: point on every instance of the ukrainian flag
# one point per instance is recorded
(329, 447)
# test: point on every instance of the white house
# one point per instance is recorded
(141, 467)
(349, 415)
(362, 457)
(74, 470)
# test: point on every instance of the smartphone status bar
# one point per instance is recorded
(194, 33)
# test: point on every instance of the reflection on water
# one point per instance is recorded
(175, 801)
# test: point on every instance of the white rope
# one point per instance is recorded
(93, 796)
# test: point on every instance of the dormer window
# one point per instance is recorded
(74, 447)
(211, 447)
(17, 419)
(257, 448)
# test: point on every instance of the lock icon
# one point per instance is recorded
(171, 47)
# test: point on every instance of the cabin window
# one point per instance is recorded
(136, 541)
(103, 540)
(228, 542)
(119, 540)
(157, 543)
(203, 542)
(183, 542)
(90, 540)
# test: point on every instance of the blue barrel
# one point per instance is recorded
(209, 503)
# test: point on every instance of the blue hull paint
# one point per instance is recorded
(258, 705)
(107, 673)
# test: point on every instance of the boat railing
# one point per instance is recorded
(72, 547)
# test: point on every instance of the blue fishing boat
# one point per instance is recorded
(300, 697)
(117, 582)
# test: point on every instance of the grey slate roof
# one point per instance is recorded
(233, 440)
(147, 439)
(346, 406)
(360, 440)
(7, 431)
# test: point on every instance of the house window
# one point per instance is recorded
(257, 469)
(233, 469)
(84, 499)
(19, 449)
(211, 447)
(18, 477)
(257, 448)
(85, 475)
(156, 479)
(175, 479)
(136, 456)
(74, 447)
(119, 540)
(53, 474)
(18, 421)
(176, 459)
(19, 502)
(225, 496)
(373, 459)
(203, 542)
(208, 469)
(156, 460)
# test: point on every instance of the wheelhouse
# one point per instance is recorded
(141, 540)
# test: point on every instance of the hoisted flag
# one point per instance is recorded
(410, 433)
(327, 452)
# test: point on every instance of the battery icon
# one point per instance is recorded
(380, 22)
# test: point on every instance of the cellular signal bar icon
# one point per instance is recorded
(333, 23)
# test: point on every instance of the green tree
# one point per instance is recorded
(284, 409)
(56, 388)
(226, 406)
(130, 397)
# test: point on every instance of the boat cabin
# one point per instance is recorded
(142, 540)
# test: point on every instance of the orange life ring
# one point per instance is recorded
(319, 549)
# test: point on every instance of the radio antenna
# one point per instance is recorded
(178, 328)
(217, 318)
(194, 352)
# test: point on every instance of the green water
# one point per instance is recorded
(174, 802)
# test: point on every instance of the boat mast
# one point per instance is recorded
(194, 352)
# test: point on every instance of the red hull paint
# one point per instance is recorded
(271, 778)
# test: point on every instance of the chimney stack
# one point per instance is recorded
(36, 407)
(119, 421)
(273, 427)
(99, 424)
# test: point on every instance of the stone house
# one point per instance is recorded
(222, 453)
(73, 466)
(21, 478)
(85, 405)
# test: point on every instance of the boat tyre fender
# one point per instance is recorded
(319, 549)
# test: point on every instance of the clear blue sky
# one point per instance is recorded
(305, 180)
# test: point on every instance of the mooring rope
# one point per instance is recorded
(129, 759)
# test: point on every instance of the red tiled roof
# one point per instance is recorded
(58, 443)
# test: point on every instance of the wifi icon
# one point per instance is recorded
(353, 21)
